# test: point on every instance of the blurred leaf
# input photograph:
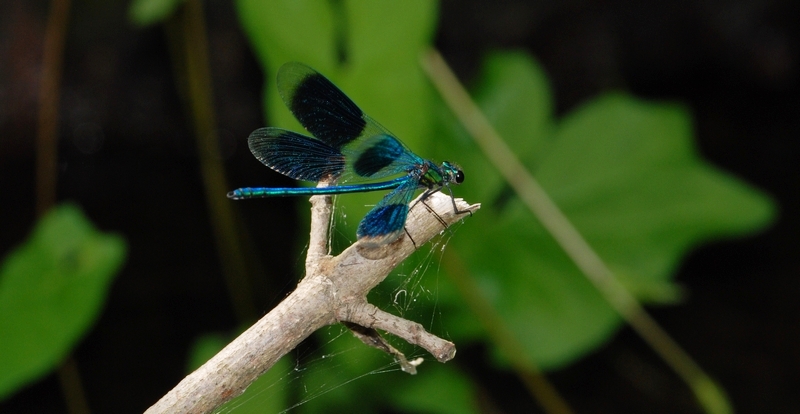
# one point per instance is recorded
(439, 388)
(511, 84)
(529, 92)
(625, 173)
(204, 348)
(272, 29)
(343, 376)
(268, 394)
(52, 289)
(352, 377)
(147, 12)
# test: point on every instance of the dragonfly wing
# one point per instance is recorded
(370, 151)
(379, 156)
(384, 223)
(319, 105)
(295, 155)
(325, 111)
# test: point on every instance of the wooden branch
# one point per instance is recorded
(333, 290)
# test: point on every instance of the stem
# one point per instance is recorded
(187, 34)
(49, 97)
(46, 164)
(525, 368)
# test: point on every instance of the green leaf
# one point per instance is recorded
(511, 84)
(146, 12)
(272, 28)
(437, 388)
(204, 348)
(52, 289)
(353, 377)
(626, 174)
(268, 394)
(530, 92)
(342, 377)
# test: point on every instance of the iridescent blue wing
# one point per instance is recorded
(384, 223)
(370, 150)
(305, 158)
(378, 156)
(295, 155)
(324, 110)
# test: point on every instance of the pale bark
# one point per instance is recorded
(334, 290)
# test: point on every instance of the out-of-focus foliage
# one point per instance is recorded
(52, 289)
(627, 175)
(623, 170)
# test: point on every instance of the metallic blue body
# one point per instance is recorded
(349, 149)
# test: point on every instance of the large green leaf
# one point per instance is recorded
(52, 289)
(626, 174)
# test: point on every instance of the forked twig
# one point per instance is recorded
(334, 290)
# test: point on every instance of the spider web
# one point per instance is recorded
(333, 371)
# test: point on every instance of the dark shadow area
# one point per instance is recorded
(127, 157)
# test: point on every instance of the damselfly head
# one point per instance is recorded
(453, 172)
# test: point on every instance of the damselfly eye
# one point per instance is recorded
(459, 177)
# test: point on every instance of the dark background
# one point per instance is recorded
(127, 156)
